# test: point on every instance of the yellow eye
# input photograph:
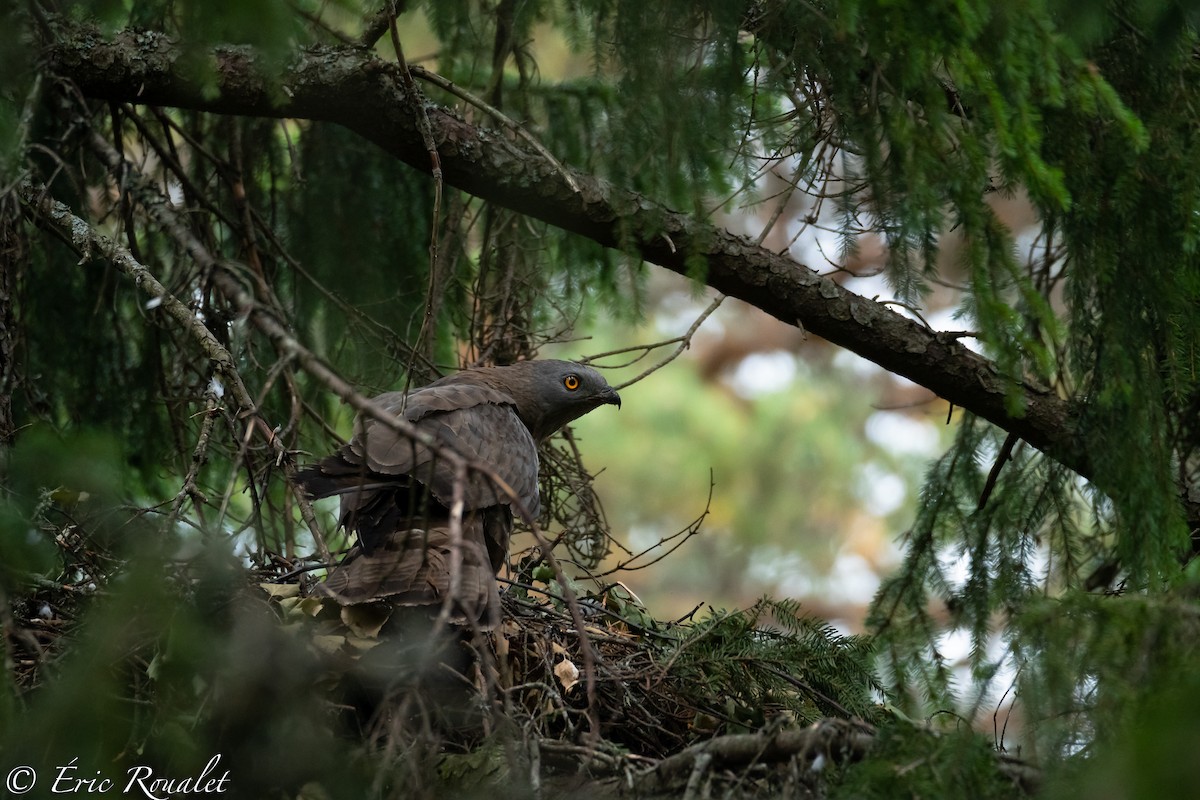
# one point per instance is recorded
(571, 382)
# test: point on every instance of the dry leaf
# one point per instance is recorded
(289, 605)
(567, 674)
(311, 605)
(280, 590)
(500, 637)
(328, 644)
(366, 620)
(360, 644)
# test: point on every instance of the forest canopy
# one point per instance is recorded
(225, 225)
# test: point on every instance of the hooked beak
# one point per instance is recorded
(611, 397)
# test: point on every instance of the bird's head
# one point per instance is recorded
(551, 393)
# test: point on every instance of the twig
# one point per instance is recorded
(199, 456)
(797, 683)
(590, 657)
(454, 589)
(592, 607)
(644, 349)
(910, 309)
(88, 242)
(315, 20)
(1006, 449)
(686, 533)
(435, 168)
(375, 25)
(685, 342)
(24, 126)
(778, 212)
(535, 768)
(499, 116)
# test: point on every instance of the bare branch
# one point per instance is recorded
(837, 740)
(497, 115)
(90, 243)
(685, 342)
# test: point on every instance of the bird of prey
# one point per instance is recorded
(396, 493)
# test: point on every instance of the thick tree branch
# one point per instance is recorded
(838, 740)
(353, 88)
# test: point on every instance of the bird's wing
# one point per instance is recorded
(477, 422)
(414, 567)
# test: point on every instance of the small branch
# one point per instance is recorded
(692, 529)
(1006, 449)
(305, 505)
(643, 352)
(428, 323)
(685, 342)
(376, 24)
(199, 457)
(90, 244)
(24, 126)
(590, 657)
(316, 21)
(422, 117)
(498, 116)
(454, 591)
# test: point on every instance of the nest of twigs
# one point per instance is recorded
(571, 687)
(610, 700)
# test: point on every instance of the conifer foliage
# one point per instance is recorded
(218, 216)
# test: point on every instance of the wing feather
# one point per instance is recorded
(413, 567)
(477, 422)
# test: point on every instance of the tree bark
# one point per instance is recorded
(833, 740)
(352, 87)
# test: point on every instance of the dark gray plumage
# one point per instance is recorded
(396, 493)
